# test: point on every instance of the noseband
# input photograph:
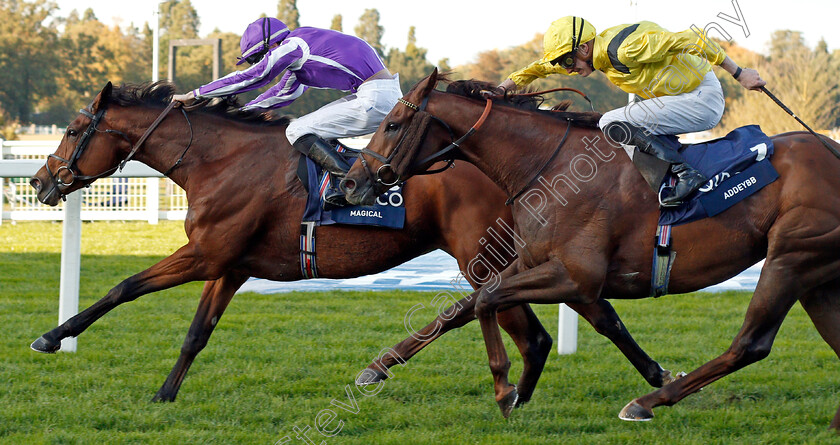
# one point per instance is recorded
(418, 136)
(78, 151)
(92, 128)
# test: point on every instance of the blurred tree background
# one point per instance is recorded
(51, 66)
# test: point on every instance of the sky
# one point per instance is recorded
(459, 30)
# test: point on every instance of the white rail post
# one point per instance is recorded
(71, 254)
(2, 182)
(153, 199)
(567, 331)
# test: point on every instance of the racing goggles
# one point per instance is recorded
(567, 60)
(254, 58)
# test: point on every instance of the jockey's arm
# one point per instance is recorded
(508, 84)
(256, 76)
(748, 78)
(281, 94)
(184, 98)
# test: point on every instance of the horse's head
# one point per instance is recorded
(81, 158)
(405, 144)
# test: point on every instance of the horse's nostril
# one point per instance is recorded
(347, 185)
(36, 184)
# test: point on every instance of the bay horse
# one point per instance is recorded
(243, 220)
(593, 236)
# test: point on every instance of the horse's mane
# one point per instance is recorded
(160, 94)
(472, 88)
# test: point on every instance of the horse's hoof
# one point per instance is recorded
(508, 402)
(634, 412)
(160, 398)
(370, 377)
(667, 377)
(521, 401)
(44, 345)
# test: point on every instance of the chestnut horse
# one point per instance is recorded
(593, 239)
(245, 208)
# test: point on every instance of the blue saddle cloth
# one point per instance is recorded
(389, 210)
(738, 165)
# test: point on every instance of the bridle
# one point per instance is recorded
(92, 128)
(386, 161)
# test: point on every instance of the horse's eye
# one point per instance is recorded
(72, 133)
(392, 126)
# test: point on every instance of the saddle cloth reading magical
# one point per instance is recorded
(389, 210)
(738, 165)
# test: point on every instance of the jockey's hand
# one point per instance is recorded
(750, 79)
(185, 99)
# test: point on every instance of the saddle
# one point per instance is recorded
(738, 165)
(389, 210)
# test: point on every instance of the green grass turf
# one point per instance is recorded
(276, 361)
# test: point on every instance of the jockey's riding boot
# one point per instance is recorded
(689, 179)
(330, 160)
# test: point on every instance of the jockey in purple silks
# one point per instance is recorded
(319, 58)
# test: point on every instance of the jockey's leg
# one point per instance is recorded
(323, 154)
(689, 178)
(354, 115)
(331, 161)
(697, 110)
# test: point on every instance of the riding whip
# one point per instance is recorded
(787, 110)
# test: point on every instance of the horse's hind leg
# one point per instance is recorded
(775, 294)
(214, 300)
(606, 322)
(181, 267)
(801, 258)
(534, 343)
(823, 306)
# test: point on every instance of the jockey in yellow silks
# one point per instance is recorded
(669, 72)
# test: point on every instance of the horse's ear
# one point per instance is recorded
(102, 98)
(431, 82)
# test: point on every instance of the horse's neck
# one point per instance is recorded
(206, 148)
(512, 145)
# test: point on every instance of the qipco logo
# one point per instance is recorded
(392, 197)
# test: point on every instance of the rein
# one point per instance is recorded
(84, 140)
(456, 144)
(547, 163)
(539, 93)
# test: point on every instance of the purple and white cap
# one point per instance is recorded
(254, 39)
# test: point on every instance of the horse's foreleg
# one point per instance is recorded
(606, 322)
(214, 300)
(534, 344)
(547, 283)
(520, 322)
(454, 317)
(180, 267)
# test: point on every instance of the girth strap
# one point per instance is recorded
(308, 268)
(663, 258)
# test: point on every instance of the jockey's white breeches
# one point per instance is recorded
(697, 110)
(354, 115)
